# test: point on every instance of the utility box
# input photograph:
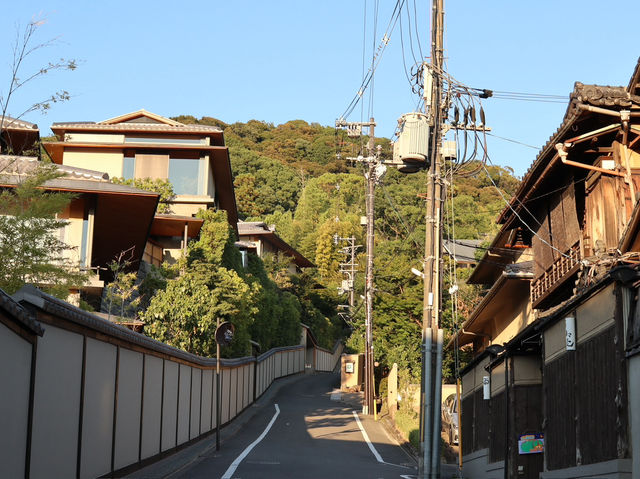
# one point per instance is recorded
(411, 151)
(351, 372)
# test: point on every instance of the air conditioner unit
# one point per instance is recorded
(411, 151)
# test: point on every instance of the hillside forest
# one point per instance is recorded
(296, 176)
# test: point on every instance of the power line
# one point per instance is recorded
(377, 57)
(513, 141)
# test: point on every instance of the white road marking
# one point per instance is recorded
(370, 444)
(366, 438)
(234, 465)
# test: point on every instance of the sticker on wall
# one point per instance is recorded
(531, 444)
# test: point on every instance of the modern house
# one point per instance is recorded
(140, 145)
(550, 392)
(104, 219)
(257, 237)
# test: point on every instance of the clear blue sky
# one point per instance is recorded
(283, 60)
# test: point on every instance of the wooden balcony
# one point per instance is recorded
(555, 275)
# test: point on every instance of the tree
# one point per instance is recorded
(24, 47)
(164, 187)
(30, 247)
(210, 287)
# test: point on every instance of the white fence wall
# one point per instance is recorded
(105, 398)
(326, 360)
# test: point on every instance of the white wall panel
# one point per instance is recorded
(183, 407)
(57, 404)
(15, 374)
(225, 379)
(169, 405)
(151, 409)
(97, 417)
(196, 385)
(128, 411)
(233, 405)
(207, 393)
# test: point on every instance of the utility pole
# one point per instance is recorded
(432, 335)
(373, 164)
(349, 267)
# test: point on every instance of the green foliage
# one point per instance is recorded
(184, 314)
(30, 247)
(288, 175)
(157, 185)
(122, 295)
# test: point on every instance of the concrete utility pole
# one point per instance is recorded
(369, 386)
(432, 335)
(373, 163)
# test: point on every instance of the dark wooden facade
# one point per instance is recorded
(578, 203)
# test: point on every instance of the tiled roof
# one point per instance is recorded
(34, 297)
(15, 124)
(613, 97)
(151, 127)
(74, 178)
(19, 313)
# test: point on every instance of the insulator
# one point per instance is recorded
(482, 116)
(456, 115)
(473, 114)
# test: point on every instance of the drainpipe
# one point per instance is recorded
(506, 412)
(625, 116)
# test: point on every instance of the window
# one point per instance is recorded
(187, 176)
(128, 168)
(166, 141)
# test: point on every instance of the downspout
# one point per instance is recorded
(506, 412)
(625, 116)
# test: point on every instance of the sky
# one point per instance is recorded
(283, 60)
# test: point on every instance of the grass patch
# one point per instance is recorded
(407, 423)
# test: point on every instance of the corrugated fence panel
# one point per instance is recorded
(56, 417)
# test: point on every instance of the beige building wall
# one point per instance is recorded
(513, 320)
(104, 161)
(93, 138)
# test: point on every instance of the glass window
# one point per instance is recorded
(185, 176)
(166, 141)
(128, 168)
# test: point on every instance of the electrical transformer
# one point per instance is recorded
(411, 151)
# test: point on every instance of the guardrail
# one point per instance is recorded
(83, 397)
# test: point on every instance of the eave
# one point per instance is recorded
(503, 290)
(56, 149)
(174, 225)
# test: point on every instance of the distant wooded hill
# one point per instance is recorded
(290, 175)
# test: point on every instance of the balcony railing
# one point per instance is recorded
(563, 267)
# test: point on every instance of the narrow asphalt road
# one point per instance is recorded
(305, 433)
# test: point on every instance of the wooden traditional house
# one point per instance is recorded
(139, 145)
(547, 393)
